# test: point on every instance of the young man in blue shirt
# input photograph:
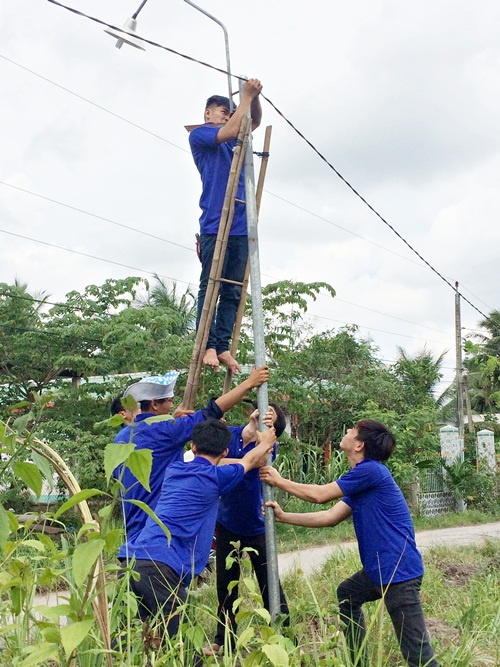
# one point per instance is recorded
(187, 506)
(154, 428)
(240, 520)
(392, 565)
(212, 146)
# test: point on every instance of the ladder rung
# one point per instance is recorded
(226, 280)
(240, 201)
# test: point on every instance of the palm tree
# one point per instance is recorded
(418, 374)
(181, 307)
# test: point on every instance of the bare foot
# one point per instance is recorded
(229, 361)
(210, 359)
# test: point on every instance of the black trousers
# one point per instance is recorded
(226, 576)
(159, 589)
(402, 601)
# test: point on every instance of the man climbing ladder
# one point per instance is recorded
(212, 145)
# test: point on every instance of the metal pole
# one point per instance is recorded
(226, 41)
(134, 16)
(260, 359)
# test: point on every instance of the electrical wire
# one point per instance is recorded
(94, 104)
(295, 129)
(98, 217)
(101, 259)
(140, 127)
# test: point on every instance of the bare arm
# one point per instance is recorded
(339, 512)
(259, 455)
(313, 493)
(257, 377)
(231, 129)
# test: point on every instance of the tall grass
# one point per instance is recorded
(460, 595)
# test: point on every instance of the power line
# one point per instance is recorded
(296, 130)
(140, 127)
(94, 215)
(391, 333)
(344, 229)
(101, 259)
(94, 104)
(394, 317)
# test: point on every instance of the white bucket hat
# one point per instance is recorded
(153, 387)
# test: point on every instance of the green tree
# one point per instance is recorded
(418, 375)
(482, 364)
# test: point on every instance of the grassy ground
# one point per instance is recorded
(461, 599)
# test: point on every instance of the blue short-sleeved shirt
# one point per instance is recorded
(166, 438)
(240, 510)
(213, 161)
(382, 522)
(188, 507)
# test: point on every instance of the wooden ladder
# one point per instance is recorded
(215, 278)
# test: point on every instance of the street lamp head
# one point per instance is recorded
(126, 35)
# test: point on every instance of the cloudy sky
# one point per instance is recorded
(402, 97)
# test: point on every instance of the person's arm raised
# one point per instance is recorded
(313, 493)
(231, 129)
(257, 456)
(257, 377)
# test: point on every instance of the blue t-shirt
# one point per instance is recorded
(188, 507)
(240, 510)
(213, 161)
(382, 522)
(166, 438)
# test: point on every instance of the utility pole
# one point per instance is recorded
(260, 359)
(458, 373)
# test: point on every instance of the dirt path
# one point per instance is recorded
(311, 559)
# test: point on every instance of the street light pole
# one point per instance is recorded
(226, 41)
(126, 36)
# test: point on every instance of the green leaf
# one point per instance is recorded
(53, 613)
(140, 462)
(5, 528)
(196, 635)
(245, 637)
(72, 635)
(114, 421)
(39, 654)
(21, 404)
(114, 455)
(129, 403)
(84, 558)
(34, 544)
(264, 614)
(249, 583)
(276, 655)
(77, 498)
(113, 538)
(22, 422)
(16, 598)
(30, 475)
(151, 514)
(51, 634)
(44, 466)
(255, 659)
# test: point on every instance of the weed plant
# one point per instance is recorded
(460, 595)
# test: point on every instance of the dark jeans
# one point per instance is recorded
(402, 601)
(221, 328)
(159, 589)
(225, 577)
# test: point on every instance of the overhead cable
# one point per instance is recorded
(295, 129)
